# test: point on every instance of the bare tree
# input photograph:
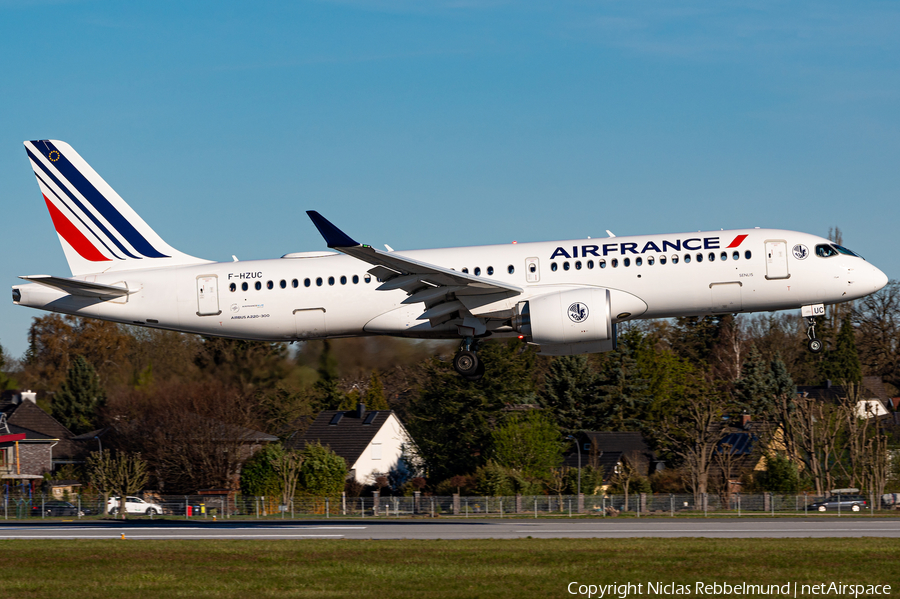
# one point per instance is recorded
(123, 475)
(287, 465)
(559, 478)
(693, 434)
(812, 430)
(99, 470)
(628, 468)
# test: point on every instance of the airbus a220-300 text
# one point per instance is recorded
(566, 297)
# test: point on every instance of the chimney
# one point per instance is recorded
(360, 410)
(30, 396)
(745, 420)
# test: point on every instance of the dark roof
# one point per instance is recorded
(28, 415)
(349, 437)
(609, 448)
(29, 434)
(740, 443)
(871, 387)
(623, 442)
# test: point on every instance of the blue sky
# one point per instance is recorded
(430, 124)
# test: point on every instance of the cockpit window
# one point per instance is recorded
(844, 250)
(825, 251)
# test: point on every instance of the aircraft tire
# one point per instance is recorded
(479, 373)
(815, 345)
(466, 363)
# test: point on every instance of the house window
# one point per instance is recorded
(376, 451)
(587, 446)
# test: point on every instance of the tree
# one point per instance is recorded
(121, 474)
(531, 445)
(100, 471)
(842, 364)
(877, 320)
(259, 476)
(6, 381)
(287, 465)
(625, 394)
(780, 476)
(374, 396)
(753, 391)
(76, 404)
(322, 473)
(451, 418)
(328, 393)
(570, 393)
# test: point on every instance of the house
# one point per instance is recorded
(22, 411)
(873, 400)
(607, 451)
(25, 455)
(373, 443)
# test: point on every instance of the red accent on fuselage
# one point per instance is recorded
(73, 236)
(737, 241)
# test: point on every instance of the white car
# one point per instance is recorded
(134, 505)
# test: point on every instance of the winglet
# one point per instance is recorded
(334, 237)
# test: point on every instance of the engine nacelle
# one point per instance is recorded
(576, 321)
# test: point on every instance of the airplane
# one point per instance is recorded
(565, 297)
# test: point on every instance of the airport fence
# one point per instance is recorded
(230, 506)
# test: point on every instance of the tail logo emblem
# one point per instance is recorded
(53, 156)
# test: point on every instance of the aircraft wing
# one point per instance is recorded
(81, 288)
(434, 285)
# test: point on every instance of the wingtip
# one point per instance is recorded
(334, 237)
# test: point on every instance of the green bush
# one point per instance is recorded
(258, 478)
(323, 473)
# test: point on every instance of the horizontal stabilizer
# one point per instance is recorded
(80, 288)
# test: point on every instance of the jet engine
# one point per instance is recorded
(576, 321)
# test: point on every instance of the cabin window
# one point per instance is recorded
(233, 287)
(283, 284)
(565, 266)
(553, 266)
(343, 280)
(331, 280)
(723, 256)
(712, 256)
(650, 260)
(590, 264)
(602, 263)
(638, 261)
(490, 270)
(258, 285)
(270, 285)
(699, 257)
(318, 281)
(307, 282)
(674, 258)
(747, 254)
(465, 270)
(355, 279)
(477, 271)
(627, 261)
(244, 286)
(367, 278)
(511, 269)
(295, 283)
(578, 265)
(615, 262)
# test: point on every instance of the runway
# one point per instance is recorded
(460, 529)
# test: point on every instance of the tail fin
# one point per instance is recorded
(98, 231)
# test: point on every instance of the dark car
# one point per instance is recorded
(854, 503)
(55, 508)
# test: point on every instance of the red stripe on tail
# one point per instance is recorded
(73, 236)
(737, 241)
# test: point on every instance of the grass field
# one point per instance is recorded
(476, 568)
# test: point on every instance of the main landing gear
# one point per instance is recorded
(466, 361)
(814, 345)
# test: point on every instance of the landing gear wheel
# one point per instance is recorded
(479, 373)
(815, 345)
(466, 363)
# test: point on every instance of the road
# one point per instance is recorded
(459, 529)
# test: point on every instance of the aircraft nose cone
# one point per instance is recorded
(880, 279)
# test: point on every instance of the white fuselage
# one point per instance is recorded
(331, 295)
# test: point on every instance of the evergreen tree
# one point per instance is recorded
(842, 365)
(327, 391)
(780, 382)
(570, 393)
(374, 396)
(259, 477)
(625, 394)
(323, 472)
(76, 404)
(753, 392)
(451, 418)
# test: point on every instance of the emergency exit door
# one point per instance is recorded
(532, 270)
(776, 260)
(208, 295)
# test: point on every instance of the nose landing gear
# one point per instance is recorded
(466, 361)
(815, 345)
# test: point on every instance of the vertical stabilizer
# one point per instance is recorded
(98, 231)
